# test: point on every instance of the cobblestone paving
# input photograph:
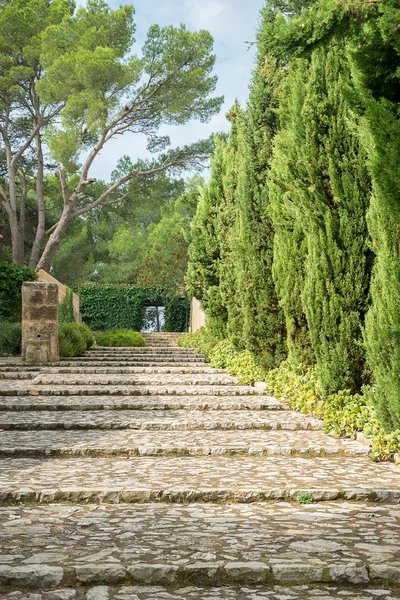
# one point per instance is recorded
(304, 592)
(187, 479)
(150, 419)
(204, 544)
(191, 443)
(132, 468)
(39, 403)
(17, 388)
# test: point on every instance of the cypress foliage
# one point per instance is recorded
(228, 234)
(263, 318)
(203, 277)
(330, 192)
(290, 243)
(377, 66)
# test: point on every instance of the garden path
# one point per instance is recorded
(144, 474)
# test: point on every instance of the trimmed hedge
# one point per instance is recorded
(120, 338)
(107, 307)
(10, 338)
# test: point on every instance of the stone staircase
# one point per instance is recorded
(144, 474)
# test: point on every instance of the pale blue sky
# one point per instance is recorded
(232, 23)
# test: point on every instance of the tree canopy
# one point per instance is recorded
(69, 85)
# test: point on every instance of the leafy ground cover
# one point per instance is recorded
(344, 414)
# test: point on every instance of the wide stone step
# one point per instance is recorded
(140, 350)
(264, 545)
(240, 479)
(18, 374)
(142, 360)
(172, 370)
(156, 403)
(189, 592)
(158, 420)
(21, 388)
(137, 379)
(167, 443)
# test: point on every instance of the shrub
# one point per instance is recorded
(70, 339)
(10, 337)
(87, 335)
(201, 340)
(120, 338)
(12, 276)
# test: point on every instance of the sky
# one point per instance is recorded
(233, 25)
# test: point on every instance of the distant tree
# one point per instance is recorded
(69, 84)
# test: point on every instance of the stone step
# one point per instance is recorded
(168, 362)
(171, 370)
(15, 375)
(21, 388)
(328, 591)
(141, 350)
(257, 546)
(158, 420)
(156, 403)
(137, 379)
(217, 479)
(106, 443)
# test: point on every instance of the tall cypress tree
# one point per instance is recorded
(203, 277)
(290, 243)
(329, 192)
(263, 319)
(376, 64)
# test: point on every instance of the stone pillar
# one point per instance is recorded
(39, 322)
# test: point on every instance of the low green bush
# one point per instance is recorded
(344, 414)
(10, 337)
(12, 276)
(87, 335)
(120, 338)
(70, 339)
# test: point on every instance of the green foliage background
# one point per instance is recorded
(12, 276)
(295, 244)
(122, 307)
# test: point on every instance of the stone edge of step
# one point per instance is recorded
(218, 573)
(123, 495)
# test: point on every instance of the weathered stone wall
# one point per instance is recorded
(62, 292)
(39, 322)
(198, 317)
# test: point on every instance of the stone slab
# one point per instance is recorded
(158, 420)
(88, 403)
(173, 443)
(302, 592)
(189, 479)
(205, 544)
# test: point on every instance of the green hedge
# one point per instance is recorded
(106, 307)
(12, 276)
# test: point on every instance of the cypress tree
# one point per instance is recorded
(328, 189)
(376, 63)
(263, 318)
(290, 243)
(203, 277)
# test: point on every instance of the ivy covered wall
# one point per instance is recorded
(113, 306)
